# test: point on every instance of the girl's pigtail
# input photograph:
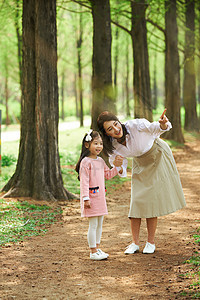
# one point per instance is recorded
(84, 152)
(88, 138)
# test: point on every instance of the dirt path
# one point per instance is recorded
(57, 265)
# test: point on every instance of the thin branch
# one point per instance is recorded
(181, 2)
(82, 4)
(73, 11)
(156, 25)
(121, 26)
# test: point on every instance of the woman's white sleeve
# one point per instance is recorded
(153, 128)
(124, 165)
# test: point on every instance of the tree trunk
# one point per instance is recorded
(63, 96)
(76, 94)
(198, 70)
(116, 58)
(6, 97)
(80, 85)
(102, 90)
(38, 173)
(155, 94)
(189, 83)
(141, 77)
(172, 72)
(19, 42)
(127, 97)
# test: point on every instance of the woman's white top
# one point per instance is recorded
(139, 140)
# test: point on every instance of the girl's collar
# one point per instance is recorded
(93, 158)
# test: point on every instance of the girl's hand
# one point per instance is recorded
(118, 161)
(163, 120)
(87, 204)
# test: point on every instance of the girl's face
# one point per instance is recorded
(113, 129)
(95, 147)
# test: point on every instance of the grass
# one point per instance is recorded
(194, 262)
(20, 220)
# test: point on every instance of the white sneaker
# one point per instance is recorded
(132, 248)
(101, 252)
(149, 248)
(97, 256)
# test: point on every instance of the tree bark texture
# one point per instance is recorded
(189, 83)
(6, 97)
(79, 59)
(63, 96)
(38, 173)
(198, 48)
(127, 94)
(141, 77)
(19, 42)
(116, 59)
(102, 90)
(172, 72)
(155, 89)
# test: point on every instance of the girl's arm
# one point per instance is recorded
(109, 173)
(84, 184)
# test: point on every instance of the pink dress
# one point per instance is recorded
(92, 185)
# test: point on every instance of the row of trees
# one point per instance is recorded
(38, 170)
(74, 19)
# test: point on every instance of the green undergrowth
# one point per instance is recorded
(193, 290)
(21, 219)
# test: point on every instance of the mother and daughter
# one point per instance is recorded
(155, 190)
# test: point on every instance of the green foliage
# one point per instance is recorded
(194, 261)
(197, 238)
(23, 219)
(7, 160)
(70, 178)
(6, 173)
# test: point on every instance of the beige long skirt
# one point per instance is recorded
(156, 186)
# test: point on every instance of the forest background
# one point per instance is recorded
(131, 57)
(66, 61)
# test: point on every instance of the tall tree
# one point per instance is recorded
(198, 48)
(38, 173)
(19, 41)
(189, 83)
(79, 63)
(155, 89)
(62, 88)
(172, 72)
(141, 77)
(127, 93)
(102, 90)
(6, 92)
(116, 60)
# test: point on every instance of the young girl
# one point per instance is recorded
(92, 172)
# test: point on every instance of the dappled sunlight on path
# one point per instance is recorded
(57, 265)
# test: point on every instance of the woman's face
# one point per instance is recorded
(113, 129)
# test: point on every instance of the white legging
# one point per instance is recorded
(94, 231)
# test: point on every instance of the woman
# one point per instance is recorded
(156, 187)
